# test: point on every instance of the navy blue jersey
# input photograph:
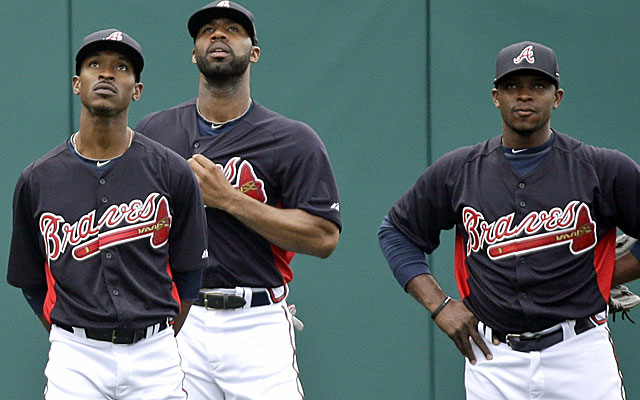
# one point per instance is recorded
(105, 242)
(530, 251)
(276, 160)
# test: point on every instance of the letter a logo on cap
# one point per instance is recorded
(224, 4)
(117, 36)
(525, 54)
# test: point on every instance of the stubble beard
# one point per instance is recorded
(223, 73)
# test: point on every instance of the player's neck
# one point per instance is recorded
(102, 138)
(518, 140)
(223, 103)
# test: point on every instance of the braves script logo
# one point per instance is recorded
(572, 225)
(525, 54)
(85, 234)
(117, 36)
(244, 179)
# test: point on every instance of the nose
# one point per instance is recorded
(218, 34)
(524, 93)
(106, 73)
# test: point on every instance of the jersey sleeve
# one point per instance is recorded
(187, 237)
(306, 176)
(426, 208)
(620, 196)
(26, 257)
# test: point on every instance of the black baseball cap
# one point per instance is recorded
(111, 39)
(527, 56)
(223, 9)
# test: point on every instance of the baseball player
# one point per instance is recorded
(107, 241)
(535, 213)
(269, 192)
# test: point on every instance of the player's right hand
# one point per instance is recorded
(462, 326)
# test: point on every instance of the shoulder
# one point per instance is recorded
(466, 154)
(52, 156)
(155, 150)
(169, 116)
(277, 124)
(589, 153)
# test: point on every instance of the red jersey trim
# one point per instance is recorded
(52, 296)
(604, 259)
(282, 258)
(460, 270)
(174, 289)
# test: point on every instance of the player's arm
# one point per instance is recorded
(291, 229)
(410, 268)
(627, 266)
(188, 284)
(45, 323)
(26, 260)
(178, 321)
(35, 298)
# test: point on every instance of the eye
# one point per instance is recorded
(122, 67)
(94, 64)
(233, 28)
(208, 29)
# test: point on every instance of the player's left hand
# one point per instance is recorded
(216, 190)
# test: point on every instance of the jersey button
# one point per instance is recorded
(196, 144)
(104, 199)
(115, 292)
(108, 255)
(523, 296)
(521, 185)
(102, 181)
(522, 203)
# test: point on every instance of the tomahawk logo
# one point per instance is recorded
(142, 218)
(570, 226)
(244, 179)
(525, 54)
(117, 36)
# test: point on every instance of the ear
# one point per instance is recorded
(496, 98)
(193, 56)
(75, 84)
(255, 54)
(137, 91)
(559, 95)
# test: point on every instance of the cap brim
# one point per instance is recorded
(541, 71)
(123, 48)
(202, 17)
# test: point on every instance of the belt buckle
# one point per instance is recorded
(229, 301)
(521, 337)
(205, 295)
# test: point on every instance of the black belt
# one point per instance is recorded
(538, 341)
(227, 301)
(118, 335)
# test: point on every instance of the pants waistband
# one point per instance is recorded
(240, 297)
(538, 341)
(117, 335)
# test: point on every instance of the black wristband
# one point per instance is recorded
(440, 307)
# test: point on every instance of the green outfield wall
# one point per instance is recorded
(389, 86)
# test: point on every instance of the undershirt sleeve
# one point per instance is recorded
(405, 259)
(188, 284)
(635, 250)
(35, 298)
